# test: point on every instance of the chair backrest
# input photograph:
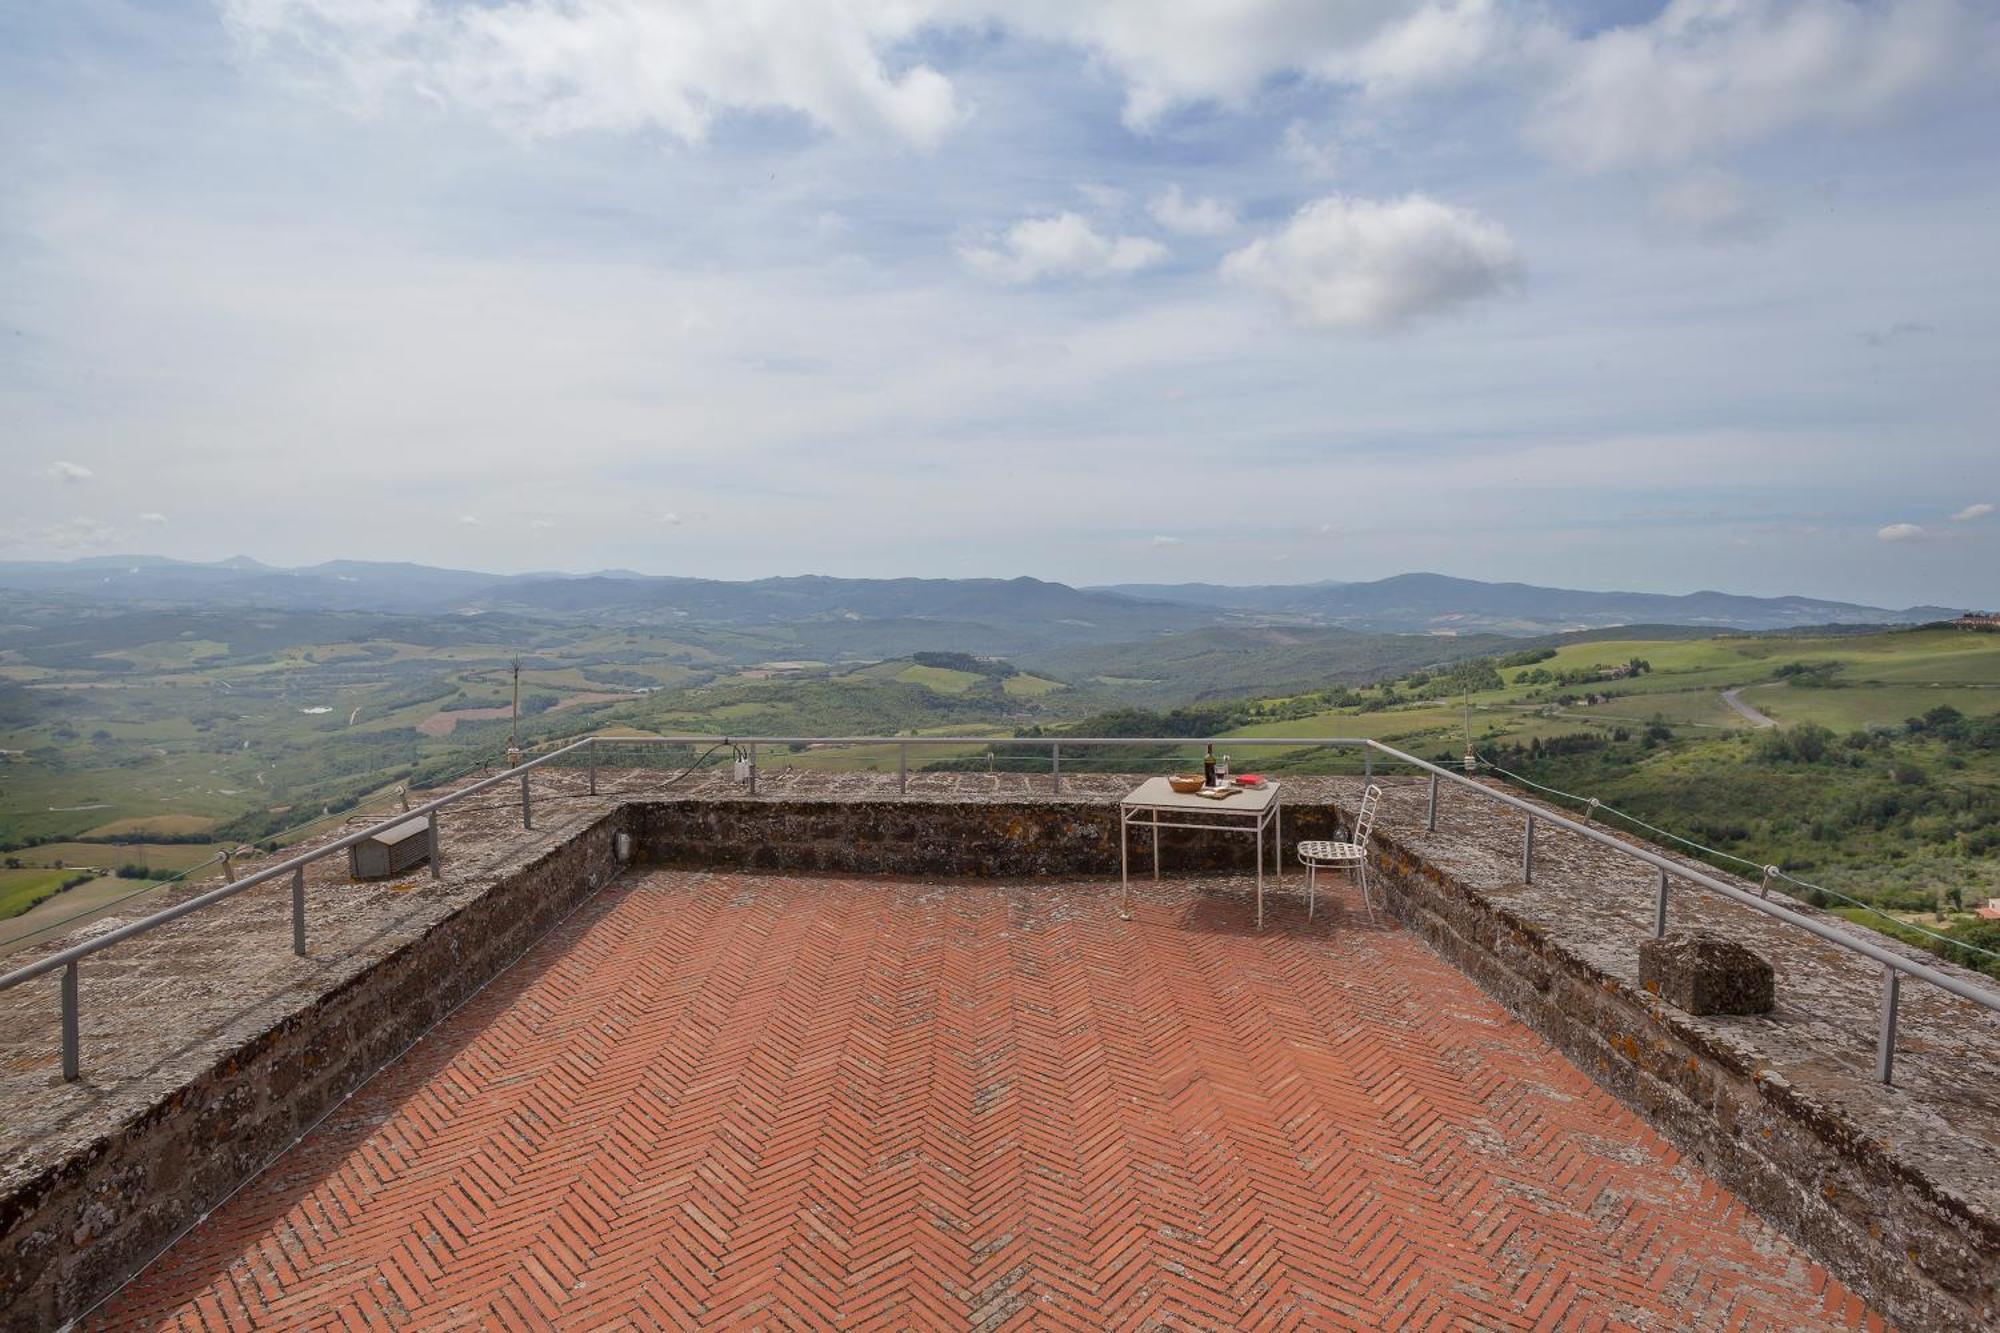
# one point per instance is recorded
(1364, 820)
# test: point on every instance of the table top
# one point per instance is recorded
(1155, 794)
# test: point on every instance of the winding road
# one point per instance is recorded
(1734, 698)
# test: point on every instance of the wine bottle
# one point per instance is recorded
(1208, 768)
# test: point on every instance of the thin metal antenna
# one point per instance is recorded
(1470, 762)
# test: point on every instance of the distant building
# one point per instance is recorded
(1990, 912)
(1979, 620)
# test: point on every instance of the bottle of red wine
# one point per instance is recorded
(1208, 768)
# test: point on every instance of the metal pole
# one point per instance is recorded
(1367, 766)
(1885, 1048)
(1660, 909)
(71, 1042)
(527, 806)
(1055, 766)
(903, 768)
(1528, 853)
(1431, 816)
(299, 911)
(593, 765)
(437, 847)
(753, 768)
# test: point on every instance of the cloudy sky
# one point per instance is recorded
(1606, 294)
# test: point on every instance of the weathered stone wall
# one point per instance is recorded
(74, 1231)
(1019, 837)
(1911, 1249)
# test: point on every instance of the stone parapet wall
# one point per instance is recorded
(1914, 1250)
(946, 839)
(73, 1231)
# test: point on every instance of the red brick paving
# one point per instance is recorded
(776, 1102)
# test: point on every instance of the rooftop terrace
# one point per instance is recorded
(728, 1098)
(742, 1081)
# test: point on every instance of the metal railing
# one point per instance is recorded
(1894, 965)
(67, 960)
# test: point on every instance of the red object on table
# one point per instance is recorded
(1250, 779)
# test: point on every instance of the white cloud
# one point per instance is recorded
(1439, 43)
(1065, 245)
(153, 518)
(1378, 264)
(68, 473)
(469, 520)
(1312, 154)
(670, 520)
(1205, 216)
(559, 66)
(1224, 51)
(1164, 540)
(540, 524)
(1712, 74)
(1708, 206)
(1970, 512)
(1901, 532)
(1700, 75)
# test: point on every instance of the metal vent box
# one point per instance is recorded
(392, 851)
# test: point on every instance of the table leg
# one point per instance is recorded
(1124, 868)
(1260, 874)
(1156, 844)
(1277, 832)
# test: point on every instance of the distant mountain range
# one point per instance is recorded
(1049, 612)
(1419, 603)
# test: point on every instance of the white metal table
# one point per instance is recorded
(1251, 810)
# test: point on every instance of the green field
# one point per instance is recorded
(111, 855)
(22, 889)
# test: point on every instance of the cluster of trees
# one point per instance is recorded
(1811, 675)
(978, 666)
(1811, 743)
(1947, 724)
(1590, 675)
(1460, 678)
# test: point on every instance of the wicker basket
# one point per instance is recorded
(1187, 784)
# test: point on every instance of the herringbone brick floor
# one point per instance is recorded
(778, 1102)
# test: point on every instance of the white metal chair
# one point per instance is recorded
(1352, 856)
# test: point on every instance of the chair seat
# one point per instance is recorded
(1331, 851)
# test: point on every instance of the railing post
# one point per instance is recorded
(437, 846)
(527, 805)
(1055, 765)
(1431, 816)
(591, 749)
(1367, 765)
(1590, 811)
(753, 768)
(299, 911)
(1528, 853)
(72, 1043)
(1660, 909)
(1885, 1047)
(903, 767)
